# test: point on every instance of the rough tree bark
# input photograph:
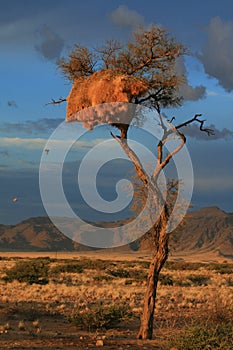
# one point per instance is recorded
(159, 231)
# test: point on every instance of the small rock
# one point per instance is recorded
(38, 330)
(99, 342)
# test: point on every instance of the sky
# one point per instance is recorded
(35, 34)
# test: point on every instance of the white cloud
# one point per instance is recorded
(30, 143)
(124, 17)
(212, 93)
(217, 54)
(39, 143)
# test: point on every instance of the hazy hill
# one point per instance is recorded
(206, 230)
(35, 234)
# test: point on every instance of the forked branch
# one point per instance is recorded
(162, 163)
(201, 122)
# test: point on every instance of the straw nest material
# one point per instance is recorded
(103, 89)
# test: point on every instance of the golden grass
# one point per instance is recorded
(176, 305)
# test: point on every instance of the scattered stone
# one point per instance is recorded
(99, 342)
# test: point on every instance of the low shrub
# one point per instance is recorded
(95, 264)
(134, 274)
(144, 264)
(121, 273)
(204, 337)
(229, 282)
(31, 271)
(166, 280)
(198, 280)
(72, 267)
(222, 268)
(102, 278)
(182, 282)
(99, 316)
(183, 265)
(138, 275)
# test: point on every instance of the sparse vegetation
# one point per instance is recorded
(68, 267)
(199, 280)
(121, 273)
(166, 280)
(195, 305)
(32, 271)
(222, 268)
(102, 278)
(183, 265)
(100, 316)
(204, 337)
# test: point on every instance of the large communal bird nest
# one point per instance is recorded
(103, 89)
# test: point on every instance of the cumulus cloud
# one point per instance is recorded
(194, 131)
(217, 54)
(124, 17)
(29, 127)
(50, 44)
(186, 91)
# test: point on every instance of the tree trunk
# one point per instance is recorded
(160, 236)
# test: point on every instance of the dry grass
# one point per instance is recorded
(37, 312)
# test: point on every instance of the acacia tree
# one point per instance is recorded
(141, 72)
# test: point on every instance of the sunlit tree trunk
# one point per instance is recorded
(160, 237)
(159, 232)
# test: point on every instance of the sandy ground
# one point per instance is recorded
(111, 255)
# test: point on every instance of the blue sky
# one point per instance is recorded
(34, 34)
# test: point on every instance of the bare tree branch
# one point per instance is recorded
(195, 119)
(162, 163)
(54, 102)
(132, 155)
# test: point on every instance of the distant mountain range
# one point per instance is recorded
(206, 230)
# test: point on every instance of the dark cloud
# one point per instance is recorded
(190, 93)
(195, 132)
(19, 20)
(14, 10)
(12, 103)
(4, 153)
(30, 127)
(27, 162)
(186, 91)
(50, 44)
(217, 54)
(124, 17)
